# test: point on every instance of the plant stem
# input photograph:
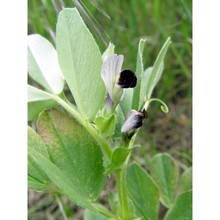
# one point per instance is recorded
(121, 185)
(61, 207)
(122, 192)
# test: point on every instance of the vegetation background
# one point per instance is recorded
(124, 22)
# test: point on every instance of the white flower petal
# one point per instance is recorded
(110, 71)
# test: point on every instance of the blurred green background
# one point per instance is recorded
(129, 21)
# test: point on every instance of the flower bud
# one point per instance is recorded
(133, 121)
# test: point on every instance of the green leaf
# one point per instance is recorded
(108, 52)
(126, 102)
(60, 178)
(113, 201)
(38, 101)
(35, 108)
(165, 172)
(89, 215)
(122, 111)
(119, 156)
(143, 192)
(144, 84)
(139, 74)
(36, 185)
(182, 209)
(157, 68)
(43, 64)
(36, 174)
(35, 94)
(74, 152)
(81, 62)
(120, 118)
(105, 125)
(185, 183)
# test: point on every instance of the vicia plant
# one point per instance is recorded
(78, 144)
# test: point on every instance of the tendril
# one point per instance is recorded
(163, 107)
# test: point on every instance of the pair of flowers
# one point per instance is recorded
(116, 80)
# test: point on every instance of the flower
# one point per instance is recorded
(116, 80)
(133, 121)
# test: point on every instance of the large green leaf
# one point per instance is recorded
(182, 209)
(143, 192)
(80, 61)
(185, 183)
(139, 74)
(74, 152)
(60, 178)
(165, 172)
(37, 177)
(157, 68)
(43, 64)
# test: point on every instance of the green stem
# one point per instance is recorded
(106, 149)
(122, 192)
(61, 207)
(121, 185)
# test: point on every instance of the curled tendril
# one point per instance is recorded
(163, 107)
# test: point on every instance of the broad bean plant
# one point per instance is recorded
(78, 143)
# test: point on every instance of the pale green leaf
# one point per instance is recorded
(35, 108)
(120, 118)
(165, 172)
(74, 152)
(38, 101)
(126, 102)
(108, 52)
(43, 64)
(80, 61)
(89, 215)
(157, 68)
(185, 183)
(143, 192)
(105, 125)
(144, 85)
(139, 74)
(35, 94)
(113, 201)
(182, 209)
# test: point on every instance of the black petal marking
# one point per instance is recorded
(127, 79)
(139, 118)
